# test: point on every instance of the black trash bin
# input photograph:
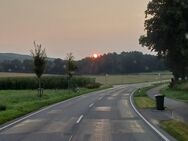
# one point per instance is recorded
(159, 102)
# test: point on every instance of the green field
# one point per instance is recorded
(21, 102)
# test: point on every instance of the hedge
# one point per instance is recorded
(48, 82)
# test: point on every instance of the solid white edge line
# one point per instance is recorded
(79, 119)
(48, 107)
(155, 129)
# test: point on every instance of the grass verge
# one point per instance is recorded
(21, 102)
(142, 100)
(176, 129)
(178, 94)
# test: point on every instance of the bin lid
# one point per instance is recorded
(159, 95)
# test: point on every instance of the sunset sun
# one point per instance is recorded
(95, 55)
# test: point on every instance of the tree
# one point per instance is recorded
(39, 63)
(166, 25)
(71, 67)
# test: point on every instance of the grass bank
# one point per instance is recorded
(21, 102)
(175, 128)
(180, 92)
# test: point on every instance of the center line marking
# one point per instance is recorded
(91, 105)
(70, 138)
(80, 118)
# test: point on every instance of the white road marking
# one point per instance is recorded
(126, 94)
(70, 138)
(80, 118)
(116, 94)
(103, 109)
(100, 98)
(147, 122)
(91, 105)
(110, 98)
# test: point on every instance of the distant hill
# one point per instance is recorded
(13, 56)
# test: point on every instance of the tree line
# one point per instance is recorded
(111, 63)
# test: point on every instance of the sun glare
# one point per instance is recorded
(95, 55)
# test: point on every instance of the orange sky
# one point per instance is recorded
(82, 27)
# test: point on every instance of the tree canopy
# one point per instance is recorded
(166, 28)
(39, 59)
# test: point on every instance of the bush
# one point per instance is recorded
(48, 82)
(93, 85)
(2, 107)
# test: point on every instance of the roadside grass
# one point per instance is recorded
(180, 92)
(142, 100)
(21, 102)
(177, 129)
(183, 85)
(181, 95)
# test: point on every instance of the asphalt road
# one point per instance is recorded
(100, 116)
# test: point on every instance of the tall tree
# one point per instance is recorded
(166, 25)
(39, 63)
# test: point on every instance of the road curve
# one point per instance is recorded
(100, 116)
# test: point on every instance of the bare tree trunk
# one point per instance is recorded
(40, 94)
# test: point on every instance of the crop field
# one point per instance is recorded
(8, 74)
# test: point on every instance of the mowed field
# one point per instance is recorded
(111, 79)
(132, 78)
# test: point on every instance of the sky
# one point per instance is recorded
(82, 27)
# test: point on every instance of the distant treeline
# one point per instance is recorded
(111, 63)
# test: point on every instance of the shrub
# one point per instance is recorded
(93, 85)
(2, 107)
